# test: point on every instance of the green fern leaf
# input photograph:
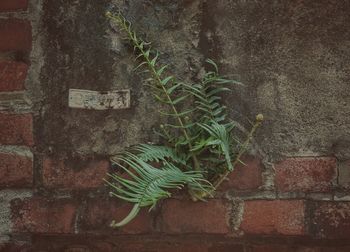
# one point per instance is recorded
(166, 80)
(221, 136)
(161, 70)
(156, 153)
(150, 184)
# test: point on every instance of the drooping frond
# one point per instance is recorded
(149, 184)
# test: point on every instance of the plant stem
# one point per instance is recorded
(217, 183)
(258, 121)
(122, 21)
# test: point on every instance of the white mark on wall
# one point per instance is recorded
(98, 100)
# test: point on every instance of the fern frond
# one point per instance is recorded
(211, 62)
(219, 136)
(147, 152)
(199, 134)
(149, 184)
(182, 114)
(164, 83)
(206, 94)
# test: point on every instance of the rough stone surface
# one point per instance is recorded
(285, 217)
(307, 174)
(14, 102)
(283, 52)
(292, 56)
(71, 63)
(236, 215)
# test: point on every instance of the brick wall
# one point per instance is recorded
(16, 127)
(59, 203)
(16, 117)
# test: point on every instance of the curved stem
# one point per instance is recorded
(134, 211)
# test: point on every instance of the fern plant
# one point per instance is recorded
(199, 147)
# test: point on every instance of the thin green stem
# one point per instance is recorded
(138, 44)
(222, 177)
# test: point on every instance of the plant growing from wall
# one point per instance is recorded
(199, 146)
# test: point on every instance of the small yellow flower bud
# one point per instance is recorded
(259, 117)
(162, 126)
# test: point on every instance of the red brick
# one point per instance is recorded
(15, 171)
(268, 248)
(245, 177)
(340, 248)
(13, 5)
(284, 217)
(74, 243)
(66, 174)
(100, 213)
(39, 215)
(182, 216)
(74, 248)
(227, 248)
(307, 174)
(15, 247)
(15, 35)
(344, 174)
(330, 219)
(200, 244)
(12, 76)
(94, 246)
(282, 248)
(163, 247)
(16, 129)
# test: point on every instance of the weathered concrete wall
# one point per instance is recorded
(290, 54)
(79, 53)
(293, 195)
(293, 57)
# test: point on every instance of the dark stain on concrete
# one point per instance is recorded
(292, 56)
